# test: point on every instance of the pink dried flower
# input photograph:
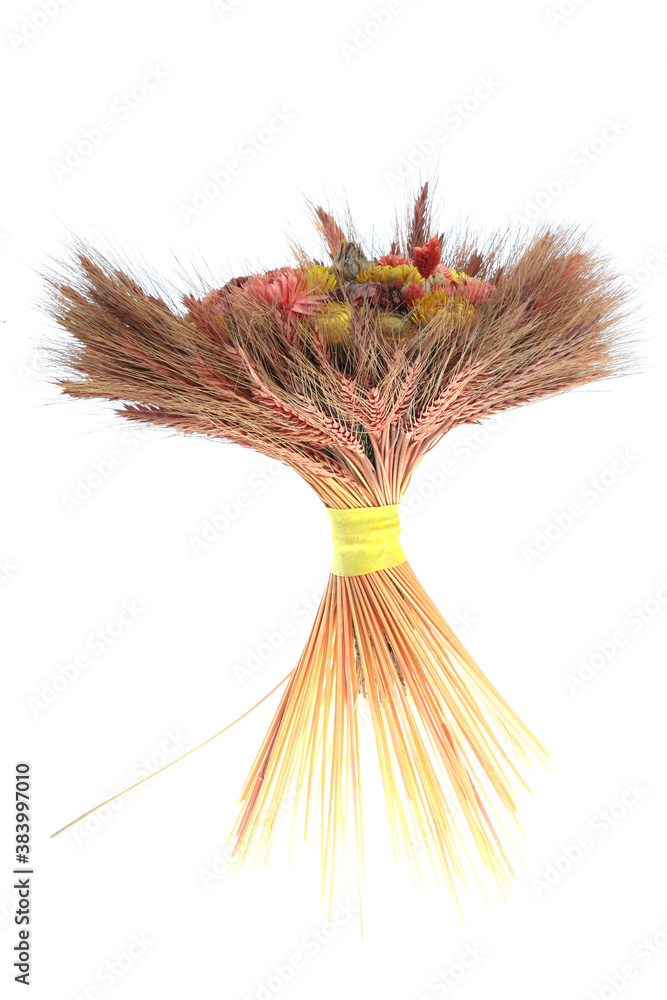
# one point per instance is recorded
(393, 260)
(475, 292)
(285, 289)
(414, 291)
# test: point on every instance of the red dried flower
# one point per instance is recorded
(427, 257)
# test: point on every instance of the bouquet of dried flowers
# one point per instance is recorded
(349, 371)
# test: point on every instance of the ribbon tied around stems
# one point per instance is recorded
(365, 539)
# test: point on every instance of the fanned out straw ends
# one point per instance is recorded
(349, 372)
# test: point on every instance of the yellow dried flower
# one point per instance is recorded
(317, 275)
(405, 273)
(396, 327)
(363, 276)
(437, 301)
(333, 319)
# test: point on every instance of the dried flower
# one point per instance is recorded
(427, 258)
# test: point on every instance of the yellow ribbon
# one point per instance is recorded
(365, 539)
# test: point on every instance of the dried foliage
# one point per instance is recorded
(349, 372)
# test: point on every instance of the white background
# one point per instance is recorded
(520, 94)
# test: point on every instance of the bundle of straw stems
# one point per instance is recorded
(350, 372)
(444, 734)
